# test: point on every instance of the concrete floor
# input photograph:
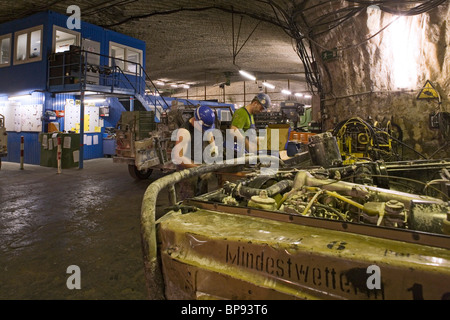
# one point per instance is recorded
(89, 218)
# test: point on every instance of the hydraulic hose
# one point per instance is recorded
(279, 187)
(310, 203)
(153, 274)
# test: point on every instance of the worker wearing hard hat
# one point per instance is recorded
(203, 120)
(187, 150)
(243, 118)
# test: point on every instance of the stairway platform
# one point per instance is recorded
(76, 89)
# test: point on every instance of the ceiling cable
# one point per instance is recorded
(420, 9)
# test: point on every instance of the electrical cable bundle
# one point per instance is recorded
(335, 17)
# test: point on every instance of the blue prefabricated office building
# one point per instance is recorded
(59, 79)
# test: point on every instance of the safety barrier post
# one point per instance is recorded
(22, 151)
(59, 155)
(131, 103)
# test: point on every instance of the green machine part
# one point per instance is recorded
(70, 146)
(140, 122)
(306, 119)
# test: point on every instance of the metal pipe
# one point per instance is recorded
(349, 201)
(304, 178)
(277, 188)
(155, 282)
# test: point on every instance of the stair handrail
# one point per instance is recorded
(143, 74)
(156, 89)
(140, 76)
(138, 92)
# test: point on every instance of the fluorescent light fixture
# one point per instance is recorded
(307, 96)
(19, 97)
(95, 100)
(185, 86)
(299, 94)
(174, 86)
(268, 85)
(90, 93)
(247, 75)
(286, 92)
(160, 83)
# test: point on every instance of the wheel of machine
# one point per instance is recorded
(139, 174)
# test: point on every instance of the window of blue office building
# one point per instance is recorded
(58, 81)
(48, 72)
(5, 50)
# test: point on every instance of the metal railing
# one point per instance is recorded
(80, 69)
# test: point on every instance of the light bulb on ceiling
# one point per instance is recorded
(286, 92)
(247, 75)
(268, 85)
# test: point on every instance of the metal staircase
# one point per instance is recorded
(147, 95)
(73, 71)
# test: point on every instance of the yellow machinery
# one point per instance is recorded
(360, 141)
(303, 232)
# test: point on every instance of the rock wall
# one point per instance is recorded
(381, 78)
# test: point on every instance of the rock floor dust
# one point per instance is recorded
(87, 217)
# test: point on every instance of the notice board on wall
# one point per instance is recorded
(22, 118)
(73, 114)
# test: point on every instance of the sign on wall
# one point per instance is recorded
(22, 118)
(72, 117)
(428, 92)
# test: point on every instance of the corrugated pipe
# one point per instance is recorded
(153, 273)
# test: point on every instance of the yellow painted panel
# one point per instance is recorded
(273, 259)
